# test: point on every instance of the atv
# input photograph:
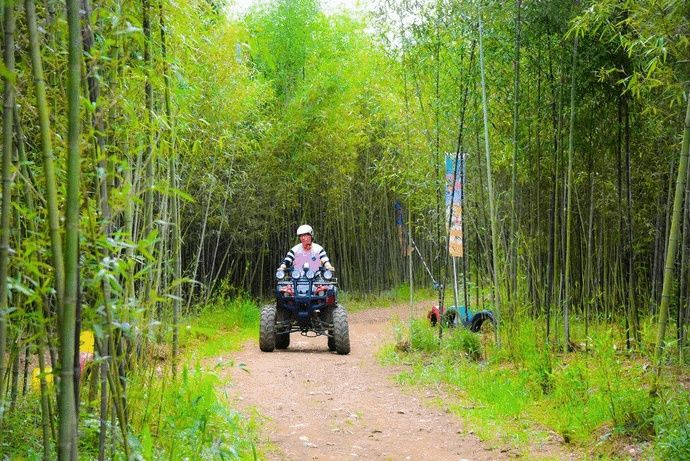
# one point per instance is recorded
(306, 302)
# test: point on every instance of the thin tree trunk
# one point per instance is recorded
(590, 250)
(569, 211)
(100, 157)
(7, 128)
(68, 418)
(14, 390)
(47, 153)
(512, 277)
(198, 253)
(671, 251)
(45, 410)
(177, 256)
(631, 301)
(25, 383)
(684, 299)
(492, 208)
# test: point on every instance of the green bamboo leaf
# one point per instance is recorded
(6, 74)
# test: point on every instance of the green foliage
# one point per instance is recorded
(222, 325)
(515, 395)
(187, 419)
(423, 338)
(671, 423)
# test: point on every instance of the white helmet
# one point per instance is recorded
(305, 229)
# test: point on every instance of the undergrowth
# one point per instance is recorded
(181, 419)
(527, 392)
(360, 301)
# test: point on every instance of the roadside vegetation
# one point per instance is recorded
(187, 418)
(594, 401)
(158, 156)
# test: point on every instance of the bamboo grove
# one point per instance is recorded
(157, 152)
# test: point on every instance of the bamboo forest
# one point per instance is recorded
(499, 190)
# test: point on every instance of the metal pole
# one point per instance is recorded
(464, 242)
(455, 284)
(409, 259)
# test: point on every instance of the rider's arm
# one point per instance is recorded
(325, 261)
(289, 259)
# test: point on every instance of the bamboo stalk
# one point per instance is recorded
(489, 182)
(47, 152)
(569, 212)
(68, 418)
(671, 250)
(7, 127)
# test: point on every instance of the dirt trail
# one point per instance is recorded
(324, 406)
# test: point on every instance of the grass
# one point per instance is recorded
(182, 419)
(525, 393)
(221, 325)
(355, 302)
(190, 420)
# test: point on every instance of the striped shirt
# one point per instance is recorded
(316, 256)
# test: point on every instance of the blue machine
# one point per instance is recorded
(460, 315)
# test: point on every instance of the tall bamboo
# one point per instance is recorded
(630, 260)
(40, 330)
(568, 210)
(149, 154)
(68, 418)
(671, 250)
(489, 182)
(7, 146)
(46, 150)
(512, 278)
(106, 218)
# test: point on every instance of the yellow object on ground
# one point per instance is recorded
(86, 341)
(36, 378)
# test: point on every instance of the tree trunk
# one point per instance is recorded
(47, 152)
(568, 208)
(492, 207)
(68, 418)
(671, 250)
(512, 276)
(7, 128)
(631, 301)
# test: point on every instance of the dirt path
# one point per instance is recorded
(324, 406)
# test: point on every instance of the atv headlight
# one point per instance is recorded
(280, 274)
(327, 275)
(310, 274)
(296, 274)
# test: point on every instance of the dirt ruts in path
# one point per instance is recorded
(320, 405)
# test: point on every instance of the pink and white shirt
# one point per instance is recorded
(316, 256)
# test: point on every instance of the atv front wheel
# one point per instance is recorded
(267, 329)
(282, 318)
(331, 341)
(341, 332)
(282, 340)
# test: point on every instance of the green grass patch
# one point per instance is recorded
(525, 392)
(221, 325)
(187, 420)
(361, 301)
(182, 419)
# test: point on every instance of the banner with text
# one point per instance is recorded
(454, 202)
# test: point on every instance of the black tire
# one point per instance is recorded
(267, 329)
(341, 332)
(331, 341)
(283, 341)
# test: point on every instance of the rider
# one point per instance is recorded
(306, 252)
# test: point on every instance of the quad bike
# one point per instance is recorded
(306, 302)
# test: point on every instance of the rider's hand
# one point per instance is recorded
(329, 266)
(282, 267)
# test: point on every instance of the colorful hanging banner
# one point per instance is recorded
(454, 202)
